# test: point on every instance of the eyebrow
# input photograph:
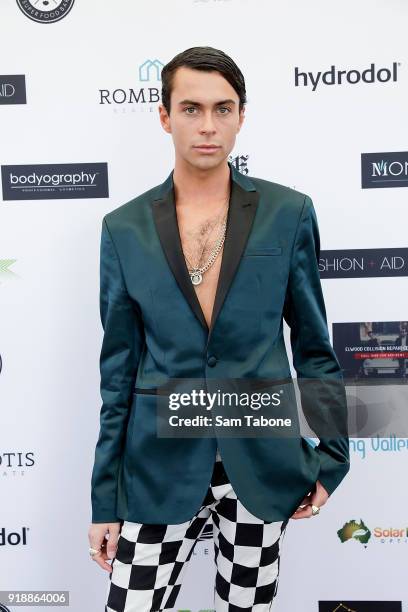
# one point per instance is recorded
(199, 104)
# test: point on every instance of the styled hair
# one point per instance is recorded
(207, 59)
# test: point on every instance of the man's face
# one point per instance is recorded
(204, 111)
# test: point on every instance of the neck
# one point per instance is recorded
(197, 187)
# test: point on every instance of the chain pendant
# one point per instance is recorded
(196, 277)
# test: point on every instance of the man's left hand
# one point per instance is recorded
(318, 497)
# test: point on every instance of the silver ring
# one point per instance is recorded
(93, 551)
(315, 510)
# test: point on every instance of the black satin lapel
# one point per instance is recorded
(165, 218)
(241, 214)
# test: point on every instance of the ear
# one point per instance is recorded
(164, 119)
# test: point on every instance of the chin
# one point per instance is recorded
(207, 162)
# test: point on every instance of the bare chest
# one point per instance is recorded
(198, 239)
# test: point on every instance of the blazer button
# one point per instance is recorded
(212, 361)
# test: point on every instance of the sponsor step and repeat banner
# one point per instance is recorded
(80, 135)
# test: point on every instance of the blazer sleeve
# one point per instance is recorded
(121, 347)
(319, 374)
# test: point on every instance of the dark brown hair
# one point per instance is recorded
(207, 59)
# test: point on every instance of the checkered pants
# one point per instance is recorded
(150, 559)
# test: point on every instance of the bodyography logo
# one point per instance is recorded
(55, 181)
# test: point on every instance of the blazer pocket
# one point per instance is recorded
(264, 251)
(140, 391)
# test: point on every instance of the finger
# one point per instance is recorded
(305, 501)
(305, 512)
(319, 498)
(323, 497)
(97, 540)
(101, 559)
(112, 543)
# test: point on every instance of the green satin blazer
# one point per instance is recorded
(155, 330)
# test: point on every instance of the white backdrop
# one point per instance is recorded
(50, 332)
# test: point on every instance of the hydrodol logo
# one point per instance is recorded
(335, 76)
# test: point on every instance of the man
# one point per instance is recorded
(197, 275)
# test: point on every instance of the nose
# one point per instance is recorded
(207, 124)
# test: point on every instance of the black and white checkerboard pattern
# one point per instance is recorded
(150, 560)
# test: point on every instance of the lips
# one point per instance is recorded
(206, 148)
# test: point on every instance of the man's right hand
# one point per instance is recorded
(107, 546)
